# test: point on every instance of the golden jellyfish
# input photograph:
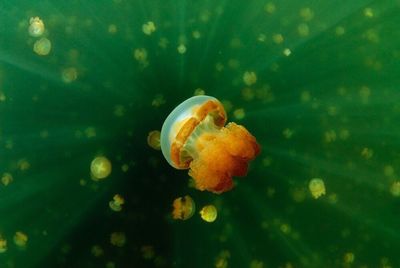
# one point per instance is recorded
(148, 28)
(3, 244)
(42, 46)
(36, 27)
(209, 213)
(20, 239)
(118, 239)
(317, 187)
(116, 203)
(183, 208)
(6, 179)
(194, 137)
(100, 168)
(153, 139)
(69, 75)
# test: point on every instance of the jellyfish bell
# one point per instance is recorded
(181, 122)
(183, 208)
(194, 136)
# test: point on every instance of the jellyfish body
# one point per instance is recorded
(183, 208)
(194, 136)
(317, 187)
(36, 27)
(209, 213)
(42, 46)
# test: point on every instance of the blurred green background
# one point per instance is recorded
(325, 103)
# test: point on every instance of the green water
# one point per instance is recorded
(325, 104)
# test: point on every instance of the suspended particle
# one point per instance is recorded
(227, 105)
(219, 67)
(395, 188)
(68, 75)
(205, 16)
(158, 100)
(6, 179)
(163, 42)
(209, 213)
(183, 208)
(44, 134)
(222, 259)
(147, 252)
(140, 54)
(110, 264)
(367, 153)
(36, 27)
(277, 38)
(20, 239)
(298, 194)
(100, 168)
(369, 12)
(256, 264)
(199, 92)
(249, 78)
(306, 13)
(317, 187)
(271, 191)
(340, 30)
(303, 29)
(97, 251)
(118, 239)
(181, 49)
(233, 63)
(90, 132)
(270, 8)
(288, 133)
(344, 134)
(239, 114)
(42, 46)
(285, 228)
(365, 93)
(23, 164)
(153, 139)
(112, 29)
(330, 136)
(148, 28)
(196, 34)
(116, 203)
(119, 110)
(261, 38)
(332, 110)
(348, 258)
(3, 244)
(248, 93)
(287, 52)
(388, 170)
(125, 167)
(2, 97)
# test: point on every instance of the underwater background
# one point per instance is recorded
(316, 82)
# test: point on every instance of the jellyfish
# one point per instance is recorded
(36, 27)
(209, 213)
(183, 208)
(153, 139)
(317, 187)
(100, 168)
(20, 239)
(42, 46)
(194, 137)
(3, 244)
(118, 239)
(116, 203)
